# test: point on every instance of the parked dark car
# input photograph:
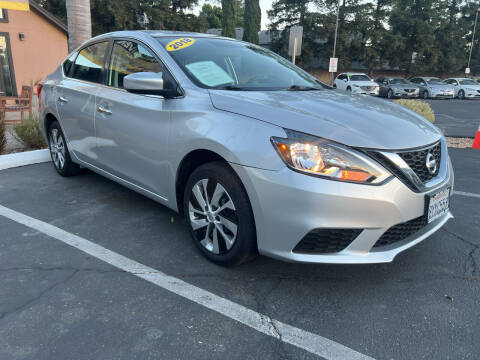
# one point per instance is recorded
(392, 87)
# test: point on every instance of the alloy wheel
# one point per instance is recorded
(461, 94)
(213, 216)
(390, 94)
(57, 149)
(425, 94)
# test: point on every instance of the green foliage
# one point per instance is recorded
(212, 16)
(420, 107)
(252, 21)
(28, 133)
(3, 136)
(228, 18)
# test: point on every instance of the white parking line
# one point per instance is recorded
(463, 193)
(310, 342)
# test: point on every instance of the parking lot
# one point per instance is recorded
(84, 265)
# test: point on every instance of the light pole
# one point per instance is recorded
(473, 38)
(336, 32)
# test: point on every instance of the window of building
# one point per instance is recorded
(7, 77)
(3, 16)
(89, 63)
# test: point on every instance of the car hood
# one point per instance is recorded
(476, 87)
(403, 86)
(441, 86)
(354, 120)
(364, 83)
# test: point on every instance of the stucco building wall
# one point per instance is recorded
(44, 46)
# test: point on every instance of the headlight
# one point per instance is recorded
(431, 88)
(416, 91)
(319, 157)
(471, 89)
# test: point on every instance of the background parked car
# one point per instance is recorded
(357, 83)
(433, 87)
(465, 88)
(392, 87)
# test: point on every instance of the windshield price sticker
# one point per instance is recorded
(179, 44)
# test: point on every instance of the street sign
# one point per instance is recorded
(467, 71)
(22, 5)
(333, 65)
(295, 43)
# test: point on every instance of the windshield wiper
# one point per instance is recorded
(302, 88)
(230, 87)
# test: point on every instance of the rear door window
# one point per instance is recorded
(89, 63)
(68, 64)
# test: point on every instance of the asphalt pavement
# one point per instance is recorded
(60, 303)
(458, 118)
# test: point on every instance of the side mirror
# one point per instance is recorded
(148, 83)
(345, 80)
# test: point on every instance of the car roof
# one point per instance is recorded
(354, 73)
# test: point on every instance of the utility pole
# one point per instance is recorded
(473, 39)
(335, 38)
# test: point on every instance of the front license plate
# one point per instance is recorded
(438, 204)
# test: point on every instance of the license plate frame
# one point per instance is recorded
(438, 204)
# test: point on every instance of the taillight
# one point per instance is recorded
(39, 89)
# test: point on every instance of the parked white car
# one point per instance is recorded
(465, 88)
(357, 83)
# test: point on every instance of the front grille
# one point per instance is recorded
(402, 231)
(409, 90)
(367, 88)
(417, 161)
(326, 241)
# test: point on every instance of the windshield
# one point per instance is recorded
(399, 81)
(359, 78)
(435, 81)
(231, 65)
(468, 82)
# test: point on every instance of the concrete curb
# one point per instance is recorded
(24, 158)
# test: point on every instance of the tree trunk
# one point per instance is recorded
(79, 22)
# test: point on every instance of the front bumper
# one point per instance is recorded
(443, 94)
(288, 205)
(407, 95)
(360, 90)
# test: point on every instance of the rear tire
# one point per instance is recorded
(219, 215)
(59, 152)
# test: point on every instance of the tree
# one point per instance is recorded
(228, 18)
(212, 16)
(252, 18)
(79, 22)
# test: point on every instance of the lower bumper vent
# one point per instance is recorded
(326, 241)
(402, 231)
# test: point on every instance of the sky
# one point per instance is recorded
(264, 5)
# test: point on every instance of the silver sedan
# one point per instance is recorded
(258, 155)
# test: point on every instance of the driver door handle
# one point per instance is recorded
(62, 99)
(104, 111)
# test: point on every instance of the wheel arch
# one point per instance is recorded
(188, 164)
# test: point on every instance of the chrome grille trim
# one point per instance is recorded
(415, 182)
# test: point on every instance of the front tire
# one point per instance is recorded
(461, 95)
(425, 95)
(219, 215)
(349, 89)
(59, 152)
(390, 94)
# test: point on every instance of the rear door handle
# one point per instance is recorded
(62, 99)
(104, 111)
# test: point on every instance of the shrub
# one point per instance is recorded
(28, 133)
(419, 107)
(3, 136)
